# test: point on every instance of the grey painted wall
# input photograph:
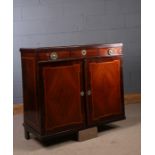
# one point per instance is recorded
(40, 23)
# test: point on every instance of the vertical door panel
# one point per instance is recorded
(63, 103)
(106, 94)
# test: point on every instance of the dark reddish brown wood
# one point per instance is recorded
(104, 81)
(52, 88)
(62, 100)
(31, 115)
(73, 47)
(104, 51)
(45, 55)
(78, 53)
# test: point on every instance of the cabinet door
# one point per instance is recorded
(104, 90)
(63, 103)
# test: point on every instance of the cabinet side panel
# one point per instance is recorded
(29, 92)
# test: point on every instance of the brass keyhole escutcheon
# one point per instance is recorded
(82, 93)
(83, 52)
(89, 92)
(53, 56)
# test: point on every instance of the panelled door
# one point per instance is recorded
(62, 83)
(104, 94)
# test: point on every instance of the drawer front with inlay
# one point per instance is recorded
(110, 51)
(80, 53)
(53, 55)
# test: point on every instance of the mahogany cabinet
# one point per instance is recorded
(71, 88)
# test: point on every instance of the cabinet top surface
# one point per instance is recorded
(76, 46)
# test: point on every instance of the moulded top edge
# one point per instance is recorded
(78, 46)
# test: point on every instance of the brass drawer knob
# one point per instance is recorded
(53, 56)
(83, 52)
(111, 52)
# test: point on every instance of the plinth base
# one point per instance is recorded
(87, 134)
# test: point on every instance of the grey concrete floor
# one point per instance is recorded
(119, 138)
